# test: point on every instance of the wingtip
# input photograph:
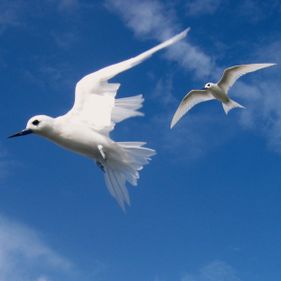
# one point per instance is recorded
(173, 123)
(177, 116)
(185, 32)
(181, 35)
(265, 65)
(268, 64)
(187, 29)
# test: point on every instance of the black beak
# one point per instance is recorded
(203, 88)
(21, 133)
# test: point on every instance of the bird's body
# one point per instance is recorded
(218, 91)
(77, 137)
(86, 128)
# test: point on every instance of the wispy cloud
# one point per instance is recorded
(24, 256)
(46, 75)
(164, 90)
(65, 40)
(263, 112)
(214, 271)
(256, 10)
(152, 19)
(145, 18)
(262, 97)
(68, 4)
(15, 13)
(10, 14)
(202, 7)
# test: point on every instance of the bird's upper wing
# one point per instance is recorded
(191, 99)
(231, 74)
(95, 102)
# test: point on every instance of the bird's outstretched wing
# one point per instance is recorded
(191, 99)
(95, 102)
(231, 74)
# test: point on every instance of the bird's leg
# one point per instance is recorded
(100, 148)
(99, 164)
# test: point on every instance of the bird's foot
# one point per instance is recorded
(100, 148)
(99, 164)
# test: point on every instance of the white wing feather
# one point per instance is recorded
(231, 74)
(95, 102)
(190, 100)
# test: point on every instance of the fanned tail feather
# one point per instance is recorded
(230, 105)
(127, 107)
(126, 169)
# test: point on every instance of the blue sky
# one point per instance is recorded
(207, 208)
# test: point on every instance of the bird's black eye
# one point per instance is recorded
(35, 122)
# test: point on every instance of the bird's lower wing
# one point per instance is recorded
(231, 74)
(191, 99)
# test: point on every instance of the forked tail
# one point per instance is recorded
(227, 106)
(124, 168)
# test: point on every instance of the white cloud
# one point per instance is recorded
(24, 256)
(263, 112)
(152, 19)
(262, 96)
(145, 18)
(192, 58)
(202, 7)
(214, 271)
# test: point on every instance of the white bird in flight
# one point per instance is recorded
(217, 91)
(86, 128)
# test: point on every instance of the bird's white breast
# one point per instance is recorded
(79, 138)
(219, 93)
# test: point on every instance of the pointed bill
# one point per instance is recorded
(21, 133)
